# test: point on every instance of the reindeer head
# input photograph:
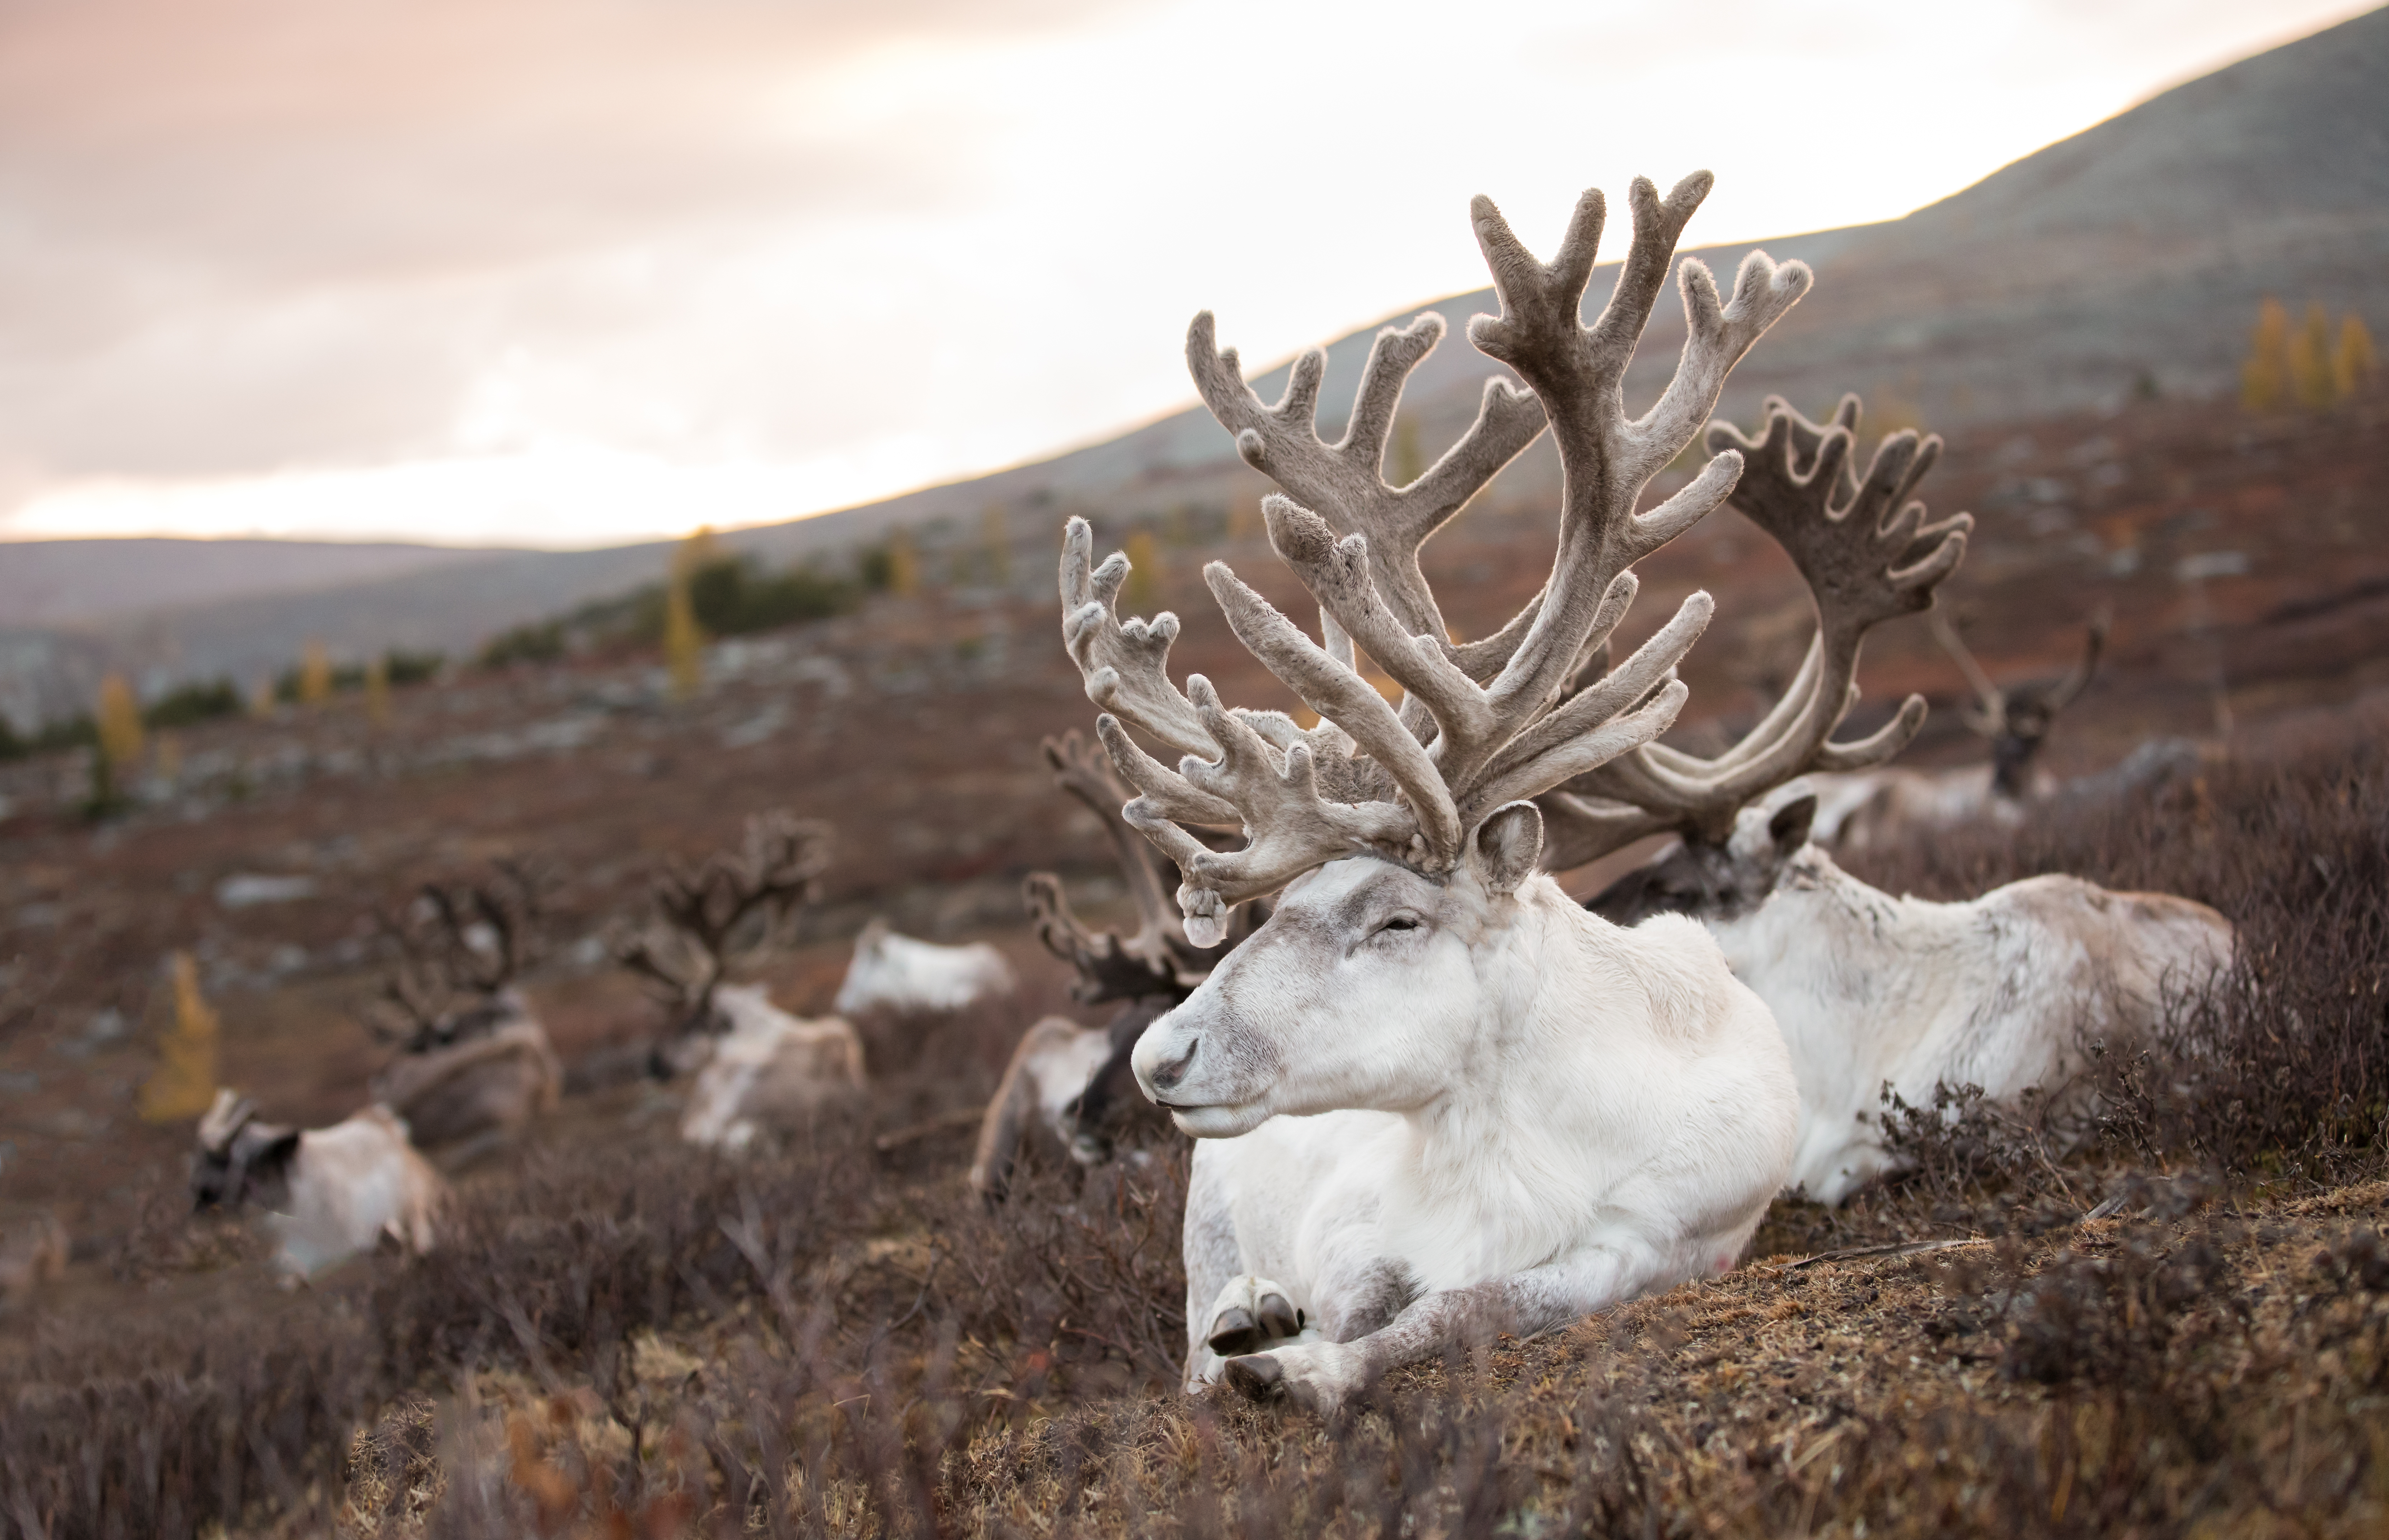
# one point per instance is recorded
(2017, 721)
(1716, 881)
(725, 914)
(240, 1159)
(1409, 835)
(460, 946)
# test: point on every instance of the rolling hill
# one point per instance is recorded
(2128, 260)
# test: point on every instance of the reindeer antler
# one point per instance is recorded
(1482, 726)
(701, 923)
(1156, 960)
(1868, 555)
(459, 940)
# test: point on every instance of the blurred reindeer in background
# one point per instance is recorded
(899, 975)
(1881, 809)
(328, 1193)
(759, 1068)
(474, 1065)
(1075, 1080)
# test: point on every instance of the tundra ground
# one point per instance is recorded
(626, 1337)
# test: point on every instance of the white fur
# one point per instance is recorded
(900, 973)
(769, 1069)
(349, 1185)
(1505, 1118)
(2001, 992)
(1880, 809)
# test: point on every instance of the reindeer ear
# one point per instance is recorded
(1789, 827)
(1508, 846)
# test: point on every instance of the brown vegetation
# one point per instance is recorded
(622, 1336)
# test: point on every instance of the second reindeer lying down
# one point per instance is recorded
(2003, 992)
(759, 1069)
(1437, 1100)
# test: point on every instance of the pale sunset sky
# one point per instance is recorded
(530, 272)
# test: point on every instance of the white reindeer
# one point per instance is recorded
(759, 1068)
(895, 972)
(1435, 1098)
(1871, 990)
(329, 1194)
(474, 1065)
(2004, 991)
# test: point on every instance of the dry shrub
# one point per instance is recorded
(625, 1336)
(2282, 1071)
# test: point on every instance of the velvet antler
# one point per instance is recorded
(1481, 725)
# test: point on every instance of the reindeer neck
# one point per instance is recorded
(1515, 1124)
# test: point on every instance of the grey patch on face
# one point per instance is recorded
(1386, 1290)
(1694, 878)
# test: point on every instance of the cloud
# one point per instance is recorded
(288, 244)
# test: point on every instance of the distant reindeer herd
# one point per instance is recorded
(1433, 1095)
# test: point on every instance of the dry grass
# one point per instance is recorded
(624, 1337)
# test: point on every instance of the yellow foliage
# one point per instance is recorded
(1143, 592)
(377, 692)
(684, 643)
(2355, 366)
(904, 564)
(2310, 360)
(185, 1080)
(118, 717)
(2265, 377)
(260, 699)
(314, 675)
(698, 549)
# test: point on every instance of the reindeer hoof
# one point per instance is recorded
(1257, 1377)
(1279, 1318)
(1234, 1331)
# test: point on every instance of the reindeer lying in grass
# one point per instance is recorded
(474, 1066)
(895, 972)
(1435, 1099)
(759, 1068)
(1077, 1080)
(1872, 990)
(329, 1194)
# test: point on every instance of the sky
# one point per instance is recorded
(565, 275)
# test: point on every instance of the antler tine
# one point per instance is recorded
(2079, 679)
(1989, 707)
(1578, 372)
(1125, 664)
(1107, 967)
(1345, 480)
(665, 955)
(1085, 770)
(1868, 555)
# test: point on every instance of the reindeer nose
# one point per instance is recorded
(1165, 1077)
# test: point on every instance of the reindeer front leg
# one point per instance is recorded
(1325, 1377)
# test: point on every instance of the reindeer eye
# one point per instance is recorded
(1399, 923)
